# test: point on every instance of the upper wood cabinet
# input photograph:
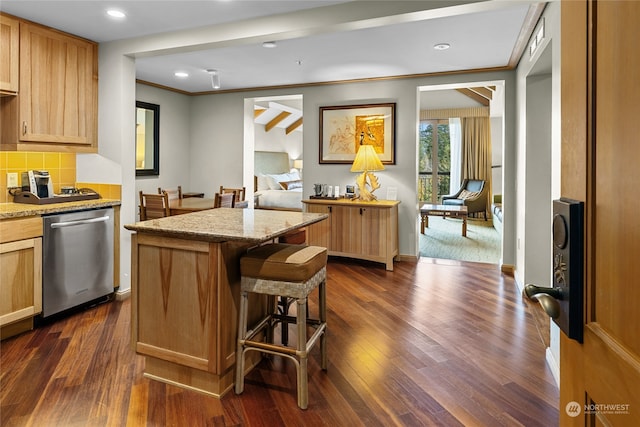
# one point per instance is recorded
(57, 102)
(9, 45)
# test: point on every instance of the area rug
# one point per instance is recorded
(443, 239)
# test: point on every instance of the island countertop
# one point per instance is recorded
(228, 224)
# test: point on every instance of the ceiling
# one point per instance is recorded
(355, 44)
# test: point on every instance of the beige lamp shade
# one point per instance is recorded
(367, 160)
(297, 164)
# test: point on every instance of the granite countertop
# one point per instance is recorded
(228, 224)
(18, 210)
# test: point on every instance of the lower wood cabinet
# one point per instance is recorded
(356, 229)
(20, 274)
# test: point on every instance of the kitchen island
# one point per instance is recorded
(185, 283)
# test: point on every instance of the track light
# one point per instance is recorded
(215, 78)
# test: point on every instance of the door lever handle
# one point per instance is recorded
(532, 290)
(547, 297)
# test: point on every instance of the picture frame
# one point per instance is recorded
(147, 139)
(344, 127)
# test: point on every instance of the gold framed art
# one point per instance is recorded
(344, 128)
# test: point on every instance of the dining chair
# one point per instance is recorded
(240, 192)
(153, 206)
(226, 200)
(172, 193)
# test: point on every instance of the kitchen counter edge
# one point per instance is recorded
(20, 210)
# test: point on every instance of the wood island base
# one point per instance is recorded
(194, 379)
(185, 296)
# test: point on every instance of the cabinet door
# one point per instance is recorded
(58, 87)
(319, 234)
(9, 45)
(346, 230)
(20, 280)
(374, 226)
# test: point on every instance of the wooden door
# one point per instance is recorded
(319, 234)
(58, 87)
(374, 231)
(600, 379)
(346, 230)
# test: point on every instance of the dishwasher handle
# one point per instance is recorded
(79, 222)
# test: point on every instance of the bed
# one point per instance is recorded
(276, 185)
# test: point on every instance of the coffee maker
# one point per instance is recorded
(37, 182)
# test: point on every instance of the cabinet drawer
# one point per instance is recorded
(20, 228)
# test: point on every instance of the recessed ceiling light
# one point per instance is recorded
(181, 74)
(269, 44)
(114, 13)
(441, 46)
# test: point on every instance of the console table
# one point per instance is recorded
(356, 229)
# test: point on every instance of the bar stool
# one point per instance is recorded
(291, 271)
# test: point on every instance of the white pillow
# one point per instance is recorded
(274, 180)
(263, 182)
(295, 175)
(291, 185)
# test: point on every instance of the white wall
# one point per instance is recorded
(175, 135)
(547, 57)
(278, 140)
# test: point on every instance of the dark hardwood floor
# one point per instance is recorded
(436, 342)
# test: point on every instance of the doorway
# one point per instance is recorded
(439, 172)
(272, 123)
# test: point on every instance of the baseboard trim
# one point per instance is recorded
(508, 269)
(123, 294)
(553, 365)
(407, 258)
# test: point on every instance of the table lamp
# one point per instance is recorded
(297, 164)
(367, 161)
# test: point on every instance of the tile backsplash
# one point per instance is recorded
(61, 167)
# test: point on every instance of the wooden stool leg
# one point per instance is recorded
(242, 333)
(322, 305)
(301, 320)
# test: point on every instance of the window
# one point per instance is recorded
(434, 182)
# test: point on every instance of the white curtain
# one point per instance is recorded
(455, 135)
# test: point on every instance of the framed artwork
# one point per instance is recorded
(343, 128)
(147, 139)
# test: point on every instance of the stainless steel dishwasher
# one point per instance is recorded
(77, 259)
